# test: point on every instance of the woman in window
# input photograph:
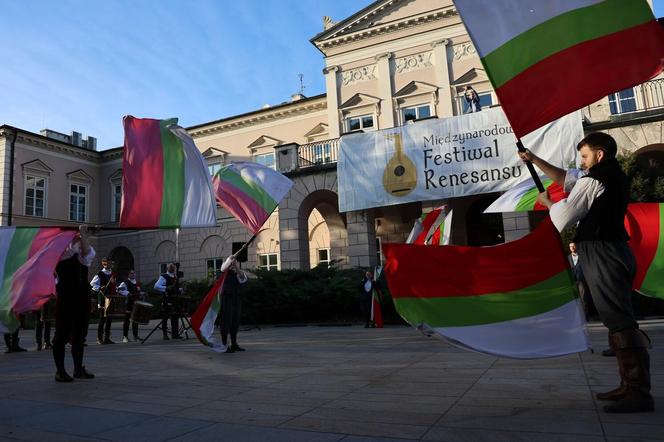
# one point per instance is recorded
(472, 100)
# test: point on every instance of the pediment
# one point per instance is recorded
(80, 175)
(212, 152)
(359, 100)
(384, 13)
(116, 176)
(263, 141)
(37, 166)
(474, 75)
(415, 88)
(317, 130)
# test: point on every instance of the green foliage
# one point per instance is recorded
(642, 187)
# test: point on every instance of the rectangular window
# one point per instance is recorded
(324, 257)
(363, 122)
(117, 201)
(415, 113)
(78, 195)
(266, 159)
(214, 168)
(35, 195)
(268, 261)
(322, 153)
(379, 252)
(214, 265)
(622, 102)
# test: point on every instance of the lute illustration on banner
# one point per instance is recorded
(400, 175)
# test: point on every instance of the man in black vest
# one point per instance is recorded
(72, 306)
(169, 286)
(104, 284)
(132, 291)
(598, 198)
(231, 303)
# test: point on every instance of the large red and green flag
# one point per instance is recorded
(28, 257)
(165, 179)
(546, 59)
(432, 228)
(645, 224)
(250, 191)
(203, 319)
(515, 300)
(523, 197)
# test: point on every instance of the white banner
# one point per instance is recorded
(445, 158)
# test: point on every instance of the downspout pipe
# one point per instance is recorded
(12, 147)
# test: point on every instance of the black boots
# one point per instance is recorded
(633, 394)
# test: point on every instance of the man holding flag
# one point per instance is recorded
(598, 198)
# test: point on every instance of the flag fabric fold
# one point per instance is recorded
(28, 257)
(165, 179)
(203, 319)
(515, 300)
(432, 228)
(523, 197)
(546, 59)
(250, 191)
(645, 225)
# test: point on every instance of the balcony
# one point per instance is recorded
(644, 97)
(318, 153)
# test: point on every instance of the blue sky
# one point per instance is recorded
(82, 65)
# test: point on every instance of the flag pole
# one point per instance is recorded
(531, 168)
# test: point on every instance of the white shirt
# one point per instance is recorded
(160, 285)
(96, 283)
(73, 248)
(575, 258)
(577, 205)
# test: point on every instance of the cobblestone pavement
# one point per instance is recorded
(320, 384)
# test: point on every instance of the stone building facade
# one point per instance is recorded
(392, 63)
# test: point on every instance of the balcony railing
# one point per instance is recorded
(642, 97)
(318, 153)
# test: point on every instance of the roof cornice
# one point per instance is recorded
(262, 116)
(338, 39)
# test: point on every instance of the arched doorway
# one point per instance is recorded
(123, 261)
(484, 229)
(323, 227)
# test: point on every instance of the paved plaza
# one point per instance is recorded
(320, 384)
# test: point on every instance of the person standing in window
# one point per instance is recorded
(472, 100)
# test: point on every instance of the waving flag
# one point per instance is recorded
(523, 197)
(28, 257)
(250, 191)
(516, 300)
(202, 321)
(165, 179)
(546, 59)
(645, 224)
(432, 228)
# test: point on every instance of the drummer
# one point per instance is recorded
(132, 290)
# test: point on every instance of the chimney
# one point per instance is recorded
(76, 139)
(91, 143)
(297, 97)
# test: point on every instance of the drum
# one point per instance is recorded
(115, 306)
(142, 312)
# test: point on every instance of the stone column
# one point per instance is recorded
(361, 228)
(293, 237)
(443, 81)
(385, 92)
(331, 85)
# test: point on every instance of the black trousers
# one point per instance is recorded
(125, 326)
(72, 315)
(104, 326)
(365, 306)
(230, 316)
(609, 268)
(42, 328)
(168, 312)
